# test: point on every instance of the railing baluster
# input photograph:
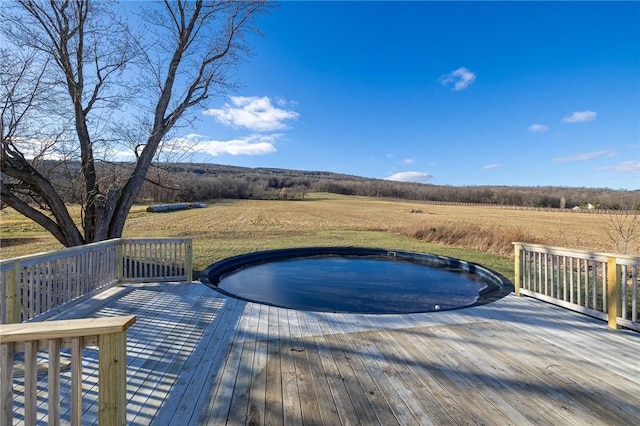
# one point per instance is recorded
(551, 276)
(623, 291)
(53, 384)
(558, 272)
(30, 382)
(579, 283)
(634, 300)
(537, 268)
(76, 381)
(6, 382)
(530, 265)
(526, 268)
(35, 288)
(571, 284)
(605, 285)
(546, 274)
(135, 249)
(4, 301)
(154, 260)
(564, 278)
(145, 260)
(150, 257)
(594, 285)
(586, 283)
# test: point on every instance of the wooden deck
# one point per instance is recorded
(197, 357)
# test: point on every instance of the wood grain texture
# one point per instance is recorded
(203, 358)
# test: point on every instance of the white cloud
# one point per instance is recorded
(492, 166)
(41, 148)
(249, 145)
(460, 78)
(585, 156)
(120, 155)
(186, 142)
(419, 177)
(254, 113)
(538, 128)
(580, 117)
(408, 161)
(625, 167)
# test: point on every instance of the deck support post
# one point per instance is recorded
(12, 296)
(112, 376)
(119, 261)
(517, 268)
(614, 283)
(188, 260)
(7, 351)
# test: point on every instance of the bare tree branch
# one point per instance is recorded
(90, 55)
(622, 225)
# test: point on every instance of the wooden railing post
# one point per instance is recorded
(614, 283)
(188, 261)
(6, 384)
(112, 376)
(517, 268)
(109, 333)
(12, 296)
(120, 260)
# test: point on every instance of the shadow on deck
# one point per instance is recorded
(198, 357)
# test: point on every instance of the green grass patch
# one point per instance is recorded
(208, 251)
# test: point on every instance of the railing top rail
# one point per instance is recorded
(58, 254)
(155, 239)
(584, 254)
(24, 332)
(629, 262)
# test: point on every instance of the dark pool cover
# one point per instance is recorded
(356, 280)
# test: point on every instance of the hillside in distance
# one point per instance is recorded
(200, 182)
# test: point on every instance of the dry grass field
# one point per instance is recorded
(231, 227)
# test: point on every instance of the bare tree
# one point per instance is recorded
(621, 223)
(89, 73)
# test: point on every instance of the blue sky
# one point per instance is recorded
(448, 93)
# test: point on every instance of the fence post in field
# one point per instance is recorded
(517, 268)
(12, 296)
(614, 283)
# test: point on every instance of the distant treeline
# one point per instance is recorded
(186, 182)
(198, 182)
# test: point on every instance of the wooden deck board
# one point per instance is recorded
(340, 396)
(273, 372)
(498, 366)
(361, 374)
(445, 408)
(386, 384)
(328, 411)
(196, 376)
(197, 357)
(350, 396)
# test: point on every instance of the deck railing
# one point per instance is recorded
(65, 339)
(40, 285)
(602, 285)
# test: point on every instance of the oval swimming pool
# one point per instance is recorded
(356, 280)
